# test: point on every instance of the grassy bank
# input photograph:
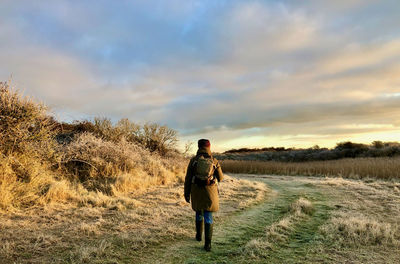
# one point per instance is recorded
(83, 163)
(379, 168)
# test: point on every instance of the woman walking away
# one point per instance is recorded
(201, 185)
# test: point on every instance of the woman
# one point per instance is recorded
(201, 186)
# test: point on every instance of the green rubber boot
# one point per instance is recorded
(208, 231)
(199, 230)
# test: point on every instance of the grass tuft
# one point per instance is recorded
(348, 230)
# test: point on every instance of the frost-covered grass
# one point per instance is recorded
(44, 162)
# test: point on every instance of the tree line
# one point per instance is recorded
(346, 149)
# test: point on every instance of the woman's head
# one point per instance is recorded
(203, 143)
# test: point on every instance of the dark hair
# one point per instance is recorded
(203, 143)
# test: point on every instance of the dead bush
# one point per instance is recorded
(102, 165)
(24, 125)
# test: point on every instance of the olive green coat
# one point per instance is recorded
(203, 197)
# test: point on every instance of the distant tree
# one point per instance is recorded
(188, 148)
(378, 144)
(158, 138)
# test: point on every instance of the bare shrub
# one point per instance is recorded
(24, 125)
(152, 136)
(158, 138)
(44, 161)
(123, 166)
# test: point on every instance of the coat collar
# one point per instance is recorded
(204, 151)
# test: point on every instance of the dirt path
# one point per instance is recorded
(232, 233)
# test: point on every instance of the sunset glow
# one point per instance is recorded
(241, 73)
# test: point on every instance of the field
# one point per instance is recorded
(303, 220)
(122, 232)
(355, 168)
(263, 219)
(102, 192)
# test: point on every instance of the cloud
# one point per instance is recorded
(227, 69)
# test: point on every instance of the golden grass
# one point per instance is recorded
(302, 206)
(103, 224)
(115, 169)
(354, 230)
(25, 182)
(379, 168)
(367, 216)
(35, 169)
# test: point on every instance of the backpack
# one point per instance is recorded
(204, 169)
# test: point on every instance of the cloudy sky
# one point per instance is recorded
(242, 73)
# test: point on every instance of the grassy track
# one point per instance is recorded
(293, 220)
(233, 233)
(304, 243)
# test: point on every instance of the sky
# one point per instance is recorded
(240, 73)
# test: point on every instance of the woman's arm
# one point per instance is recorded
(188, 181)
(218, 171)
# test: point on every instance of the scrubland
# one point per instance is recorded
(92, 191)
(43, 161)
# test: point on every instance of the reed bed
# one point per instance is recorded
(358, 168)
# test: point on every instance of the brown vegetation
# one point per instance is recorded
(112, 229)
(342, 150)
(352, 230)
(43, 161)
(380, 168)
(367, 214)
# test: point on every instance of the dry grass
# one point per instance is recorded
(354, 230)
(97, 234)
(302, 206)
(367, 216)
(86, 169)
(363, 228)
(279, 231)
(242, 193)
(378, 168)
(119, 167)
(25, 182)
